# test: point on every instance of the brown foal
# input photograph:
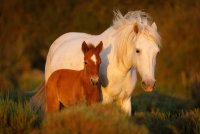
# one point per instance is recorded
(69, 87)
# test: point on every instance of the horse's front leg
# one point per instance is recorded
(106, 97)
(128, 86)
(126, 105)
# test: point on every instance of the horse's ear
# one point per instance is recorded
(154, 26)
(99, 47)
(85, 47)
(136, 28)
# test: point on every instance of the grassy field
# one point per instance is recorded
(153, 113)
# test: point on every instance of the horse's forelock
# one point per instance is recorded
(151, 33)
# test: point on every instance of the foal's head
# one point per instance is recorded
(92, 61)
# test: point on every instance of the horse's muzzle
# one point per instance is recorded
(94, 80)
(148, 85)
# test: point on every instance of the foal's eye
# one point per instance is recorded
(85, 62)
(137, 51)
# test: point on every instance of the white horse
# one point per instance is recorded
(130, 44)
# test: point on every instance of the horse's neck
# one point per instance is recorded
(110, 38)
(107, 36)
(107, 32)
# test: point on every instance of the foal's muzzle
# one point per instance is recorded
(148, 85)
(94, 80)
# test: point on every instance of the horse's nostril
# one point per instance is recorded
(154, 83)
(143, 83)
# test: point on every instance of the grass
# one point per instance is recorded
(154, 113)
(96, 119)
(183, 122)
(16, 117)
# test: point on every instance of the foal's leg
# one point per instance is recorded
(52, 101)
(94, 98)
(53, 105)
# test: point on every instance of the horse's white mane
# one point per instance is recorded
(132, 18)
(141, 18)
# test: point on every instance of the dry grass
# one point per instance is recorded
(96, 119)
(152, 114)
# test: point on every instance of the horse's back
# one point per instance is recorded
(68, 48)
(67, 37)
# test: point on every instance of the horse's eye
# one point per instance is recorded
(137, 51)
(85, 62)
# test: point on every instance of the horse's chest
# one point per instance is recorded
(119, 83)
(115, 86)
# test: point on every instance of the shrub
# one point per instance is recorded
(16, 117)
(96, 119)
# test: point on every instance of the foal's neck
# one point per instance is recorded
(85, 79)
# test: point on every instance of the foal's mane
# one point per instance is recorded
(127, 34)
(91, 46)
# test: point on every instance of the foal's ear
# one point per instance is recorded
(85, 47)
(99, 47)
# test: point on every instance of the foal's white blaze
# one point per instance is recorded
(94, 59)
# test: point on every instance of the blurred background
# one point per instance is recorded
(28, 28)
